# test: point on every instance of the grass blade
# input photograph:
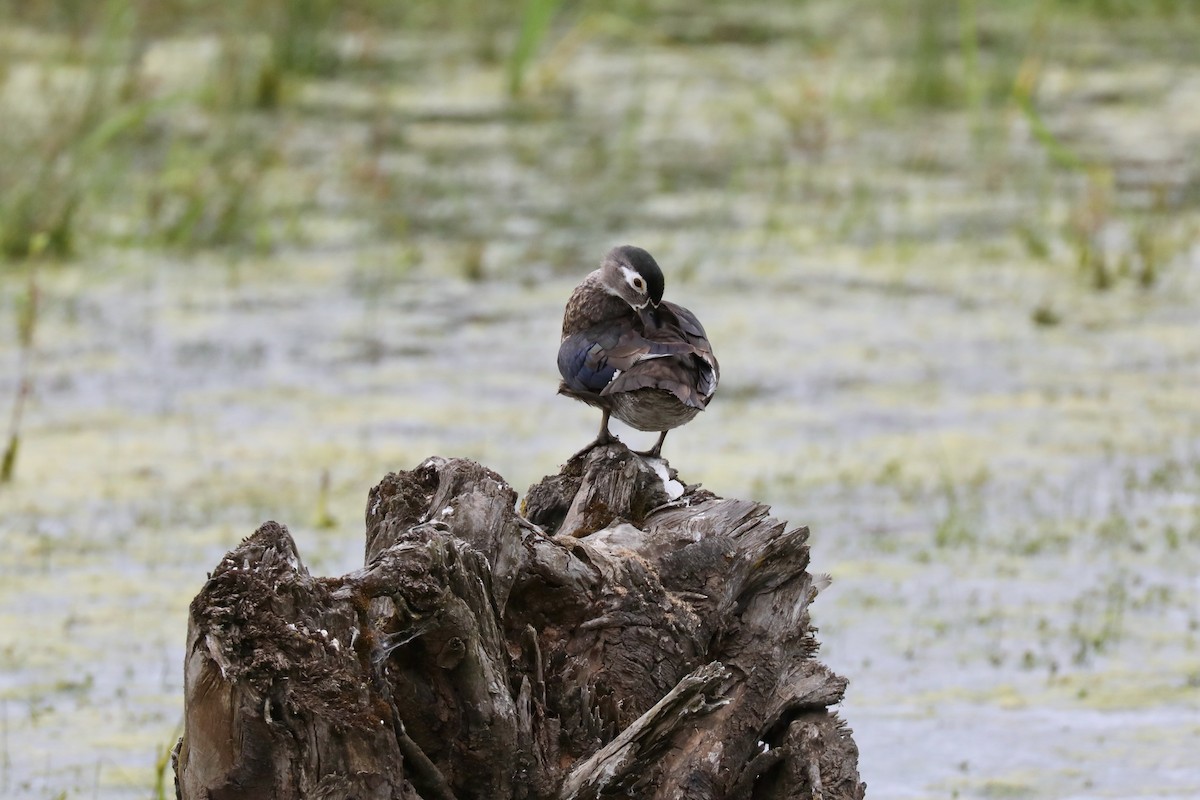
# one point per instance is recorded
(535, 23)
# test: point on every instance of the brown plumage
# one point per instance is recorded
(631, 354)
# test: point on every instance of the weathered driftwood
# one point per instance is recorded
(655, 648)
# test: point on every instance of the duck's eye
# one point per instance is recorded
(639, 284)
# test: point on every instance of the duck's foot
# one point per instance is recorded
(653, 452)
(602, 438)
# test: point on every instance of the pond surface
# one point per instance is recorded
(1000, 464)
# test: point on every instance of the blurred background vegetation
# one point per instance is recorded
(255, 253)
(189, 126)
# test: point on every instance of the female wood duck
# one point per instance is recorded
(630, 353)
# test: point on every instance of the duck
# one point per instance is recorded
(633, 355)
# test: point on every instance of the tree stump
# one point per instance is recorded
(622, 636)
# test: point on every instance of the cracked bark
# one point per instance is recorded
(602, 643)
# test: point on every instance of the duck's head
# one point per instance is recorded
(633, 275)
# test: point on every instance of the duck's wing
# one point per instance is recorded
(588, 360)
(684, 363)
(693, 331)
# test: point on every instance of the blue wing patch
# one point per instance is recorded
(583, 364)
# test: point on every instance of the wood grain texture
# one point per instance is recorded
(605, 644)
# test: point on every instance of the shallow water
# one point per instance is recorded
(1010, 511)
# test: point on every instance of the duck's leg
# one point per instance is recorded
(602, 438)
(653, 452)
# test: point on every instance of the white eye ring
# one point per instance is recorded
(639, 284)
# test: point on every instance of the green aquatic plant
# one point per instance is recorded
(962, 500)
(928, 81)
(300, 40)
(27, 320)
(162, 766)
(536, 17)
(301, 44)
(1098, 623)
(208, 191)
(59, 159)
(322, 518)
